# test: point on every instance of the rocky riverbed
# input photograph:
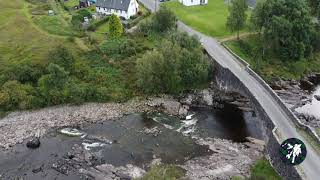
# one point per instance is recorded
(113, 142)
(19, 126)
(298, 94)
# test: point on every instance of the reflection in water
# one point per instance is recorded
(314, 107)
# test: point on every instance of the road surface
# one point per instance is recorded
(311, 165)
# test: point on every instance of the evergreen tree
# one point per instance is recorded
(115, 27)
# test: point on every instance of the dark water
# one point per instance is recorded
(133, 144)
(312, 108)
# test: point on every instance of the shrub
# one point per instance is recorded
(52, 85)
(62, 57)
(115, 27)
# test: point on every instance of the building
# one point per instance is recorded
(121, 8)
(193, 2)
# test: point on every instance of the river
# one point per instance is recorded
(134, 139)
(312, 108)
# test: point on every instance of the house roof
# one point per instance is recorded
(114, 4)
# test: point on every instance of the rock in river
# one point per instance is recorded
(317, 97)
(33, 143)
(305, 84)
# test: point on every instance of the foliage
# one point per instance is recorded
(171, 68)
(164, 20)
(237, 17)
(315, 7)
(161, 22)
(78, 18)
(115, 27)
(51, 86)
(62, 57)
(164, 172)
(286, 27)
(271, 66)
(119, 48)
(263, 170)
(16, 95)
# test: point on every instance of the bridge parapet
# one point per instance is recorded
(310, 130)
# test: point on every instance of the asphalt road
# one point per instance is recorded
(311, 165)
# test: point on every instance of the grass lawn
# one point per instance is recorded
(19, 38)
(263, 170)
(209, 19)
(53, 25)
(273, 66)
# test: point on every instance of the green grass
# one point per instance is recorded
(264, 171)
(209, 19)
(53, 25)
(164, 172)
(273, 66)
(19, 38)
(71, 3)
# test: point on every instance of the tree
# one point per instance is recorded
(315, 7)
(237, 16)
(164, 20)
(286, 27)
(171, 68)
(115, 27)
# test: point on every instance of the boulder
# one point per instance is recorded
(305, 84)
(314, 78)
(33, 143)
(317, 97)
(37, 169)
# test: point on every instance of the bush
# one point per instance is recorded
(52, 85)
(16, 95)
(62, 57)
(119, 48)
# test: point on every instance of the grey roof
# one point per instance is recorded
(114, 4)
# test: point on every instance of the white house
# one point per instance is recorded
(121, 8)
(193, 2)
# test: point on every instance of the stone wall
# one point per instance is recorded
(229, 82)
(311, 131)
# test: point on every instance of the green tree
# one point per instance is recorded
(164, 20)
(170, 68)
(237, 16)
(52, 85)
(115, 27)
(286, 27)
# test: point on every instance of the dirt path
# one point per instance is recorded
(233, 37)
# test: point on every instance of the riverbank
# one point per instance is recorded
(298, 94)
(119, 142)
(19, 126)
